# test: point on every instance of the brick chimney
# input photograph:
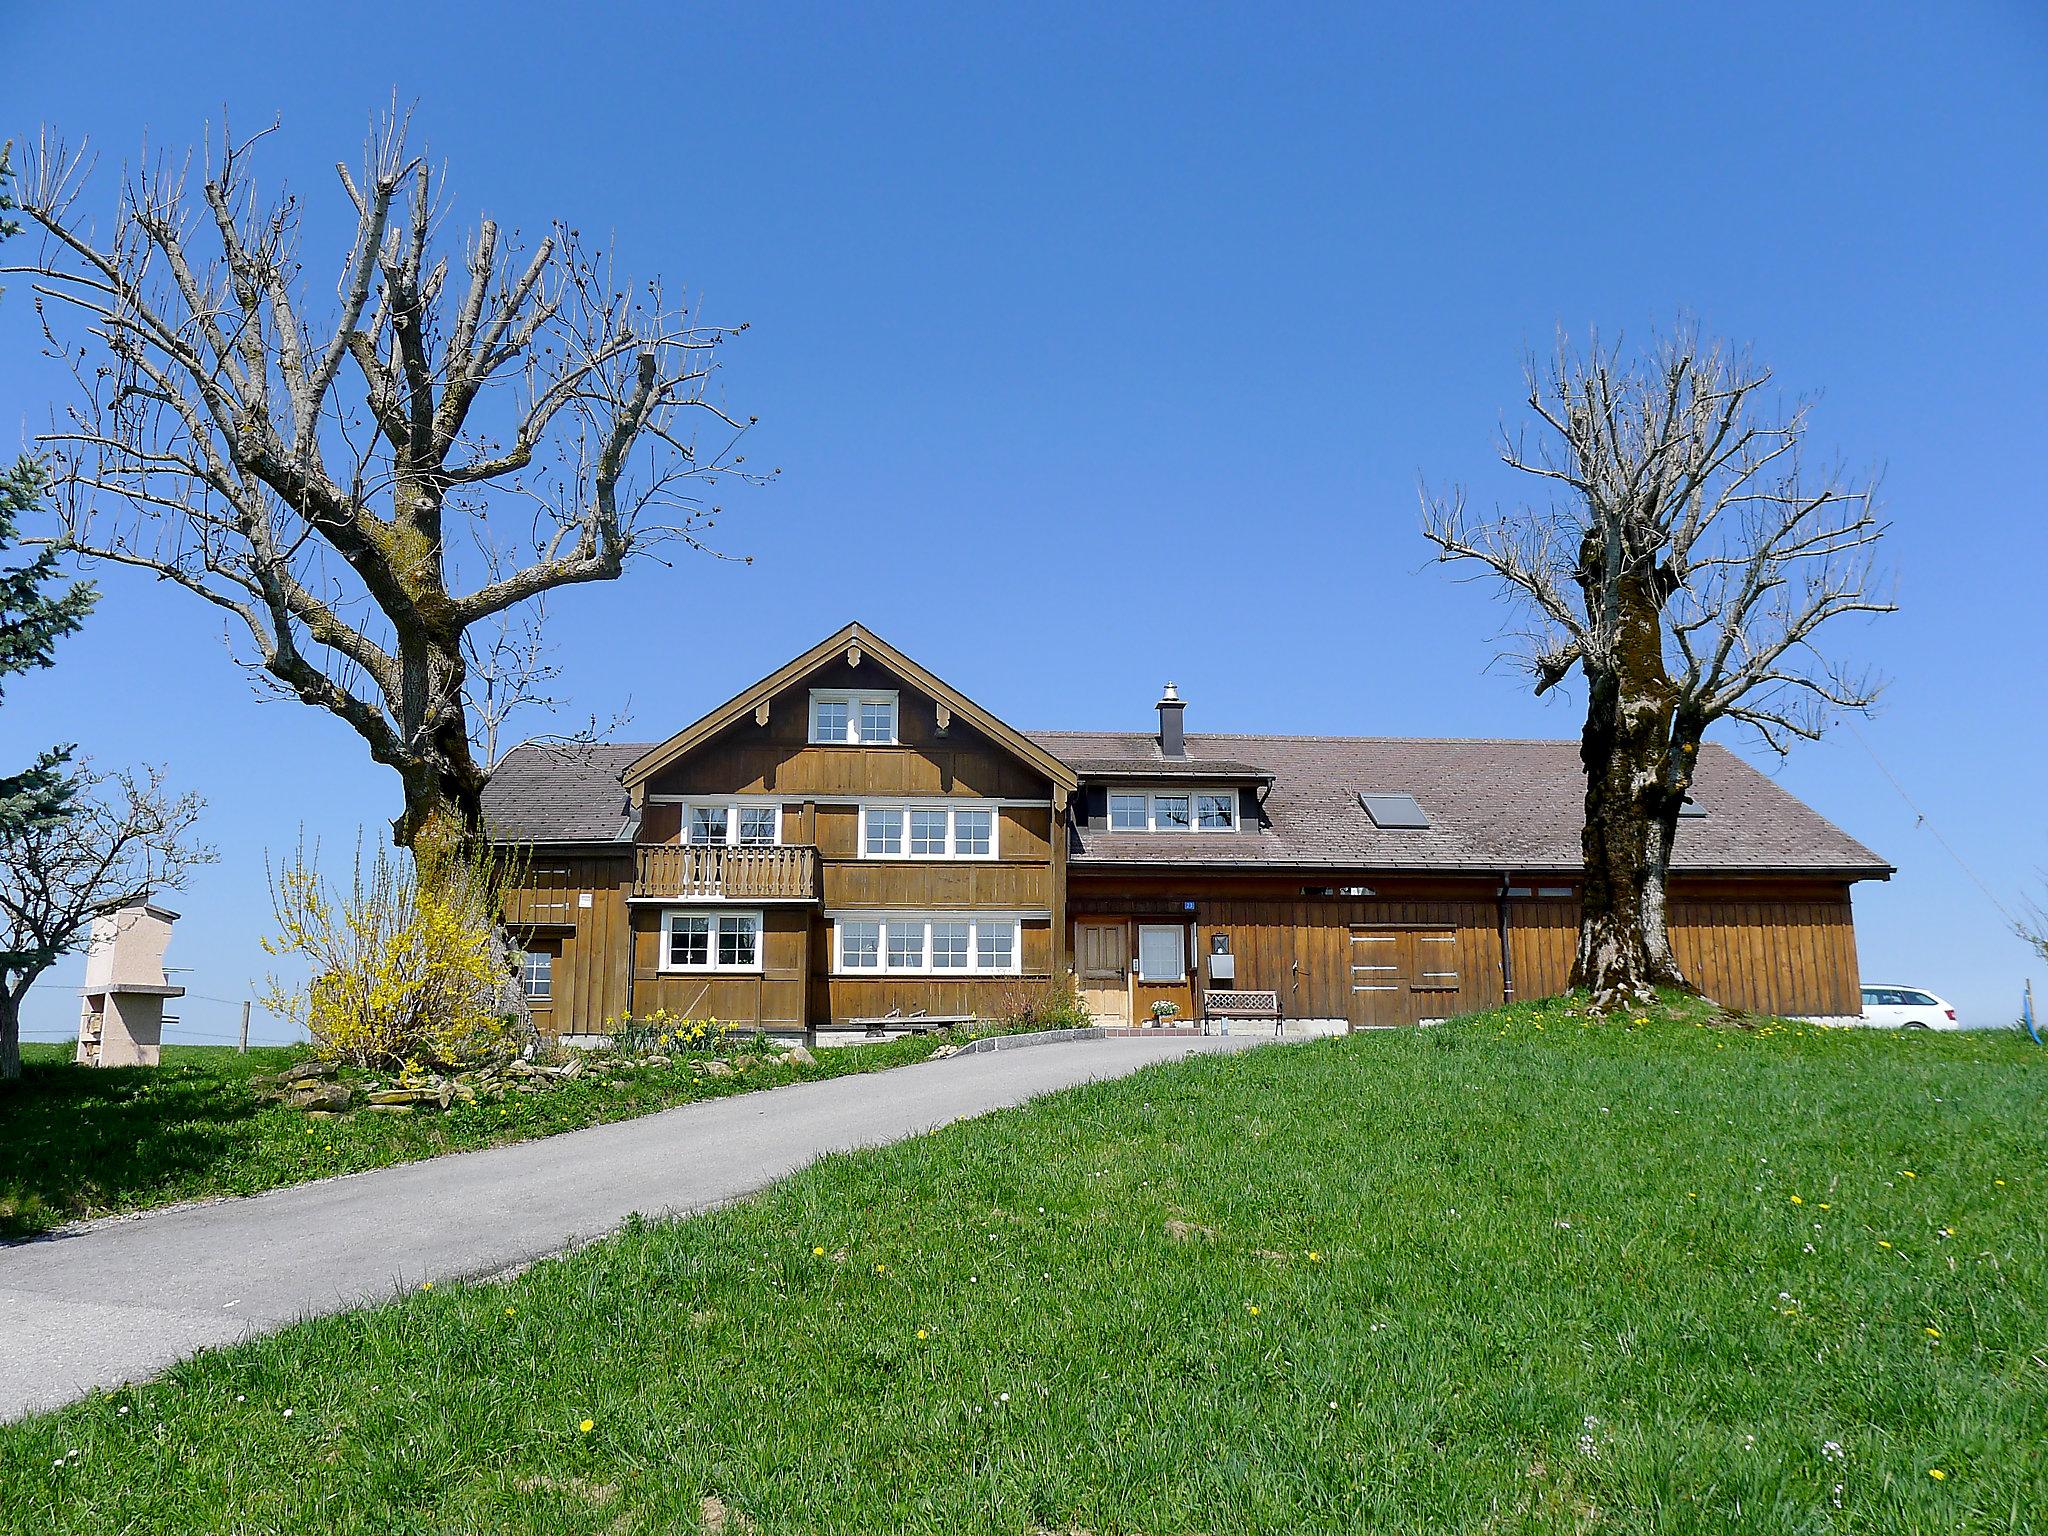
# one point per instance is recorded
(1172, 743)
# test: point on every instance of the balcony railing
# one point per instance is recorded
(678, 871)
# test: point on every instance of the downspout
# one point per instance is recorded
(1507, 962)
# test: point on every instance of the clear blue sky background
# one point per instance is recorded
(1106, 344)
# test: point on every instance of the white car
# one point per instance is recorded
(1891, 1007)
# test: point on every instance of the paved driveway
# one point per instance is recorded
(208, 1275)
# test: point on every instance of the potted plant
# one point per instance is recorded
(1164, 1010)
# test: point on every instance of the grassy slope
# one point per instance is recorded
(76, 1143)
(1508, 1275)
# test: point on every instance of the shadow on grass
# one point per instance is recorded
(75, 1141)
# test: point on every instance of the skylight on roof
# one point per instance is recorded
(1395, 812)
(1691, 807)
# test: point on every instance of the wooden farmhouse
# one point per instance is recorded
(852, 840)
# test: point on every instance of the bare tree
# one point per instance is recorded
(360, 486)
(122, 836)
(1682, 564)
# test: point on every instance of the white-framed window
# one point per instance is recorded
(1162, 952)
(853, 717)
(974, 834)
(882, 832)
(906, 948)
(537, 976)
(710, 941)
(860, 945)
(928, 830)
(923, 944)
(949, 946)
(1173, 810)
(930, 834)
(995, 946)
(719, 823)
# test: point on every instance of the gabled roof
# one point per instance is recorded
(854, 636)
(1492, 806)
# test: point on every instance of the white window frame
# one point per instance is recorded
(1180, 939)
(974, 922)
(853, 699)
(733, 810)
(717, 916)
(952, 810)
(537, 965)
(1152, 797)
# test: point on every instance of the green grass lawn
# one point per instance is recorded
(77, 1142)
(1513, 1274)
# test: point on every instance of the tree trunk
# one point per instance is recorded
(1624, 951)
(10, 1035)
(443, 829)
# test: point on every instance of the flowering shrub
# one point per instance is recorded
(405, 972)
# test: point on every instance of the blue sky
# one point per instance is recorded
(1102, 345)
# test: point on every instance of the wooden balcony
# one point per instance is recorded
(678, 872)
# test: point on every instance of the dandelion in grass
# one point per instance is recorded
(1797, 1201)
(1933, 1332)
(1252, 1308)
(1907, 1173)
(586, 1427)
(817, 1252)
(922, 1335)
(1314, 1257)
(1937, 1474)
(1882, 1243)
(881, 1269)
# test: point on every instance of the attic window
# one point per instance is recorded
(1395, 812)
(854, 719)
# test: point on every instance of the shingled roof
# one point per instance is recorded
(561, 793)
(1492, 805)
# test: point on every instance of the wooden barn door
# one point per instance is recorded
(1402, 974)
(1102, 956)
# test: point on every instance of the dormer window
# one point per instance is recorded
(1173, 811)
(853, 719)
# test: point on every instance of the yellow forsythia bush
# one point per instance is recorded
(405, 972)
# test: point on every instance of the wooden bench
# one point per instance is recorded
(1252, 1007)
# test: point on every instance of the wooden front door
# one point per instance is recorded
(1400, 975)
(1102, 957)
